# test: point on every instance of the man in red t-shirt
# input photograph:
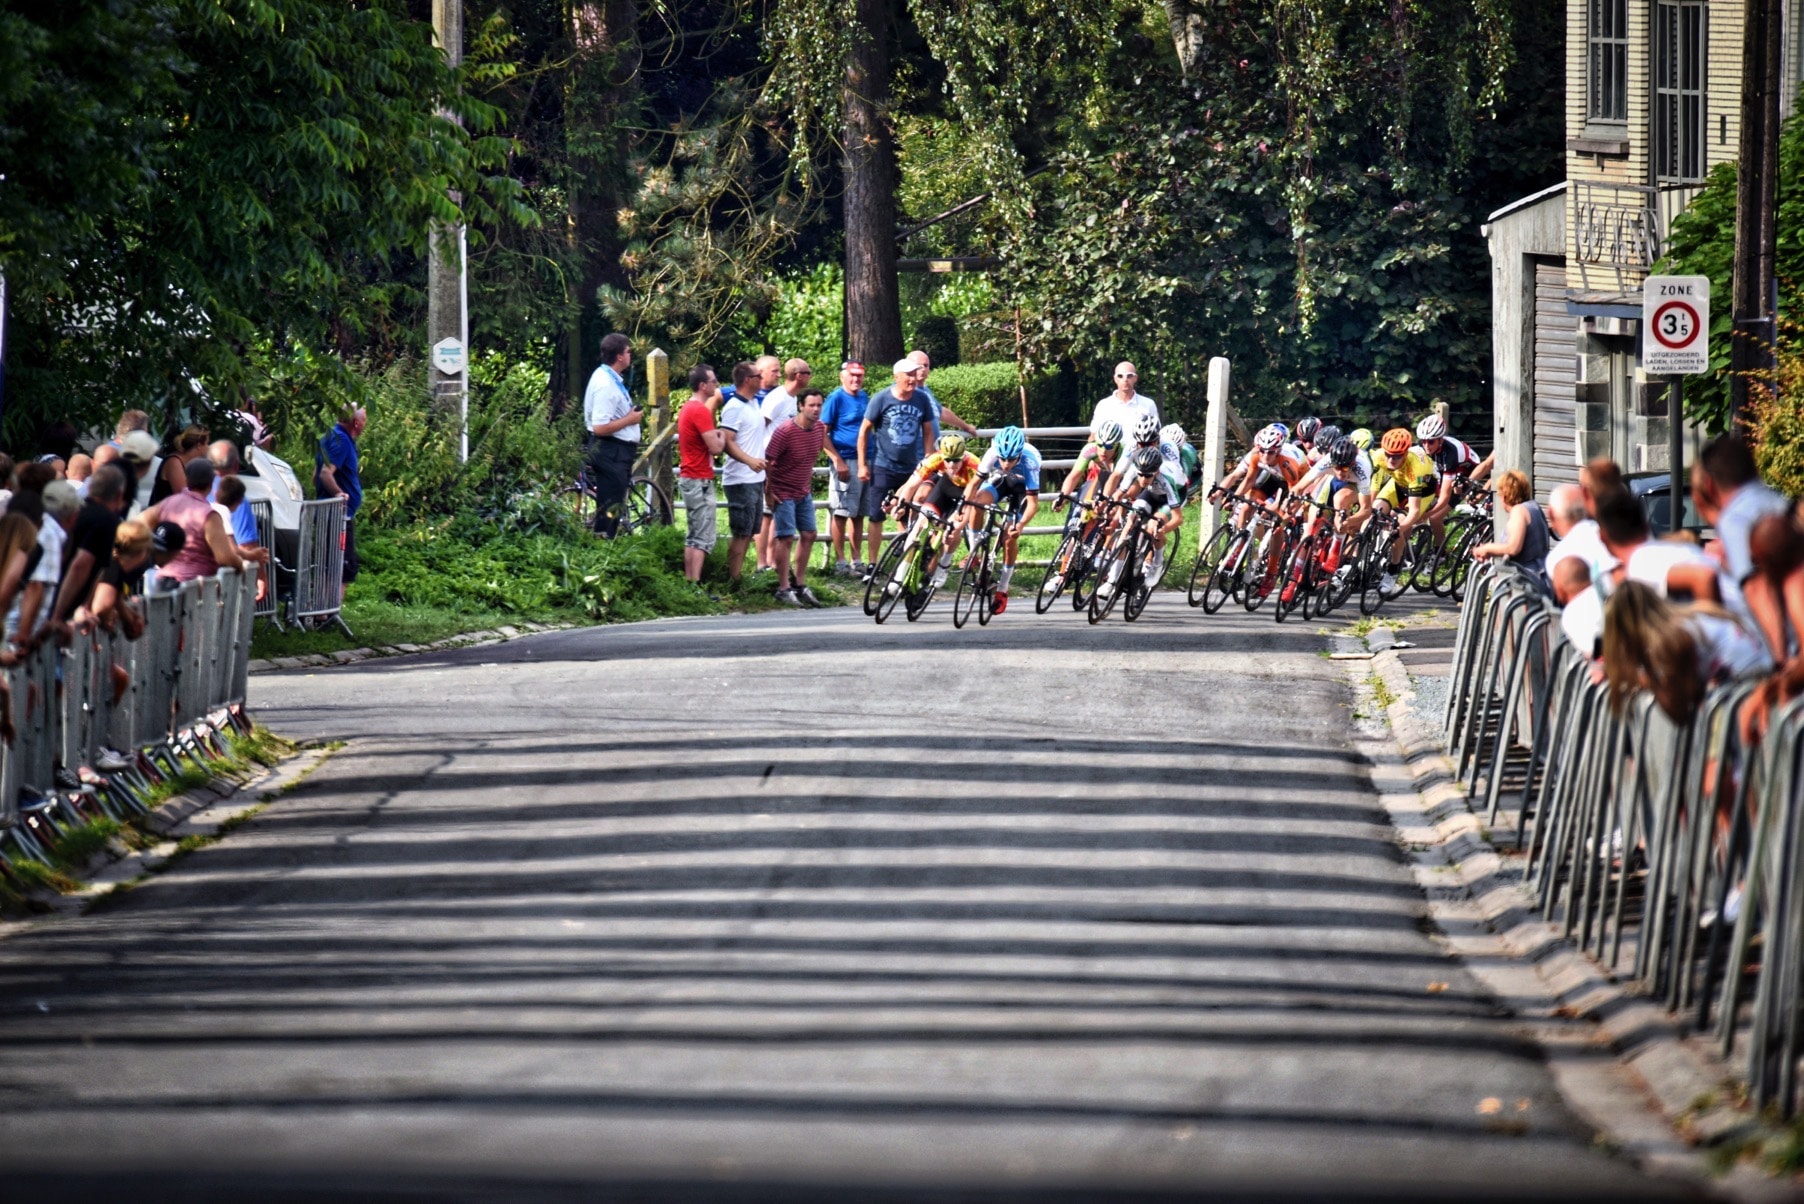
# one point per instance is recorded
(789, 459)
(698, 442)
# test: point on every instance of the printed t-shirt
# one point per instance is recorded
(896, 424)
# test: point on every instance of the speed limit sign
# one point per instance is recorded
(1675, 316)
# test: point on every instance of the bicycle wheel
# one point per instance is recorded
(1295, 580)
(886, 563)
(895, 583)
(971, 581)
(1207, 561)
(1139, 590)
(1110, 570)
(1423, 551)
(986, 587)
(1053, 583)
(915, 604)
(646, 505)
(1457, 553)
(1262, 579)
(1372, 568)
(1225, 578)
(579, 498)
(1083, 576)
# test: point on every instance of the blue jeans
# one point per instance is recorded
(789, 518)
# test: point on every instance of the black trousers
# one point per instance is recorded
(611, 460)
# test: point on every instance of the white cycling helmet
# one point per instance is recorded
(1146, 428)
(1269, 439)
(1107, 433)
(1431, 427)
(1173, 434)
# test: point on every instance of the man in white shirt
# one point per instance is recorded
(1673, 567)
(742, 478)
(1576, 531)
(613, 424)
(1581, 606)
(36, 602)
(779, 404)
(1125, 405)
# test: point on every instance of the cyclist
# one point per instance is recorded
(1094, 464)
(939, 485)
(1457, 463)
(1340, 492)
(1010, 472)
(1155, 497)
(1146, 434)
(1267, 472)
(1324, 439)
(1406, 479)
(1308, 430)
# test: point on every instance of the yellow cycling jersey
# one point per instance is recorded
(959, 471)
(1417, 476)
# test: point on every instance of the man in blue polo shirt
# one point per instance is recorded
(842, 416)
(335, 475)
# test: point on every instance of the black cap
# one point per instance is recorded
(167, 537)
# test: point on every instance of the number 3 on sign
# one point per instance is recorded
(1675, 324)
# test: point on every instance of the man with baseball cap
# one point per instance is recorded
(897, 430)
(842, 415)
(138, 454)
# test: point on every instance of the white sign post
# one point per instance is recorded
(449, 357)
(1675, 343)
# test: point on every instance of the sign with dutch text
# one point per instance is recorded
(1675, 316)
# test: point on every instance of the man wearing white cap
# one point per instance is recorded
(898, 428)
(1126, 404)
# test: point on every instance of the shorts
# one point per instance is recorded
(1158, 504)
(883, 482)
(1012, 490)
(745, 508)
(789, 518)
(846, 498)
(698, 507)
(946, 497)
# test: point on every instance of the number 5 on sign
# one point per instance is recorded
(1675, 317)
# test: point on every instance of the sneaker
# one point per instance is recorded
(1387, 583)
(65, 779)
(111, 760)
(999, 603)
(787, 597)
(807, 598)
(864, 571)
(939, 576)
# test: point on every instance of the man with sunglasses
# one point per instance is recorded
(1403, 473)
(1126, 405)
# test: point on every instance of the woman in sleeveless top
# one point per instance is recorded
(1526, 537)
(191, 443)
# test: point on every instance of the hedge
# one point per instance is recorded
(987, 395)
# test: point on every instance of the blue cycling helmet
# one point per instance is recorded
(1009, 442)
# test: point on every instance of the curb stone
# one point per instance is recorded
(349, 656)
(200, 813)
(1643, 1101)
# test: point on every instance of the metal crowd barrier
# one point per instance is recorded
(265, 515)
(192, 661)
(320, 563)
(1679, 842)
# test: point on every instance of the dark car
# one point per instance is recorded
(1654, 491)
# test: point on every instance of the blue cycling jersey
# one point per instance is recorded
(1026, 469)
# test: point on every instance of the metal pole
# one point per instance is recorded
(463, 314)
(1675, 458)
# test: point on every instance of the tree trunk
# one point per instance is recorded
(873, 310)
(604, 62)
(1753, 330)
(1186, 33)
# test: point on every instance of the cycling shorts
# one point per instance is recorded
(1010, 489)
(946, 497)
(1268, 483)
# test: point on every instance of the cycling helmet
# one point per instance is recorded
(1271, 438)
(1327, 437)
(1430, 427)
(1108, 433)
(1362, 438)
(1173, 434)
(1148, 460)
(1146, 429)
(1307, 430)
(1342, 453)
(950, 447)
(1009, 442)
(1396, 441)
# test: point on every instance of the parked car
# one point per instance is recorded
(1654, 491)
(269, 478)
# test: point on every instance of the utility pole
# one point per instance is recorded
(447, 287)
(1755, 329)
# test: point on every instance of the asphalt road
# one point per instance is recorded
(787, 905)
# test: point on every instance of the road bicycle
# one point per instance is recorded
(1380, 535)
(1469, 525)
(1306, 572)
(891, 555)
(1128, 569)
(977, 579)
(1072, 562)
(646, 504)
(910, 580)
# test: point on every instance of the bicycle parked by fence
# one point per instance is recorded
(646, 504)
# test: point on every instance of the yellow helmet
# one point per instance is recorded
(952, 447)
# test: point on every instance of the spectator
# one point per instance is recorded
(1581, 606)
(131, 420)
(1526, 539)
(770, 372)
(901, 423)
(742, 428)
(794, 449)
(256, 433)
(1597, 477)
(335, 474)
(942, 414)
(240, 519)
(842, 415)
(81, 467)
(166, 543)
(138, 453)
(228, 500)
(207, 546)
(171, 478)
(1729, 495)
(1776, 548)
(120, 580)
(1577, 532)
(37, 600)
(59, 468)
(20, 553)
(779, 405)
(1670, 567)
(90, 546)
(699, 440)
(613, 426)
(1126, 404)
(1675, 652)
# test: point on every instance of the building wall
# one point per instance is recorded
(1517, 239)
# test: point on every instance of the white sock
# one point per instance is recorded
(1004, 577)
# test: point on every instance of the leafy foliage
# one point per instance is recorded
(1777, 419)
(987, 395)
(808, 318)
(1703, 244)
